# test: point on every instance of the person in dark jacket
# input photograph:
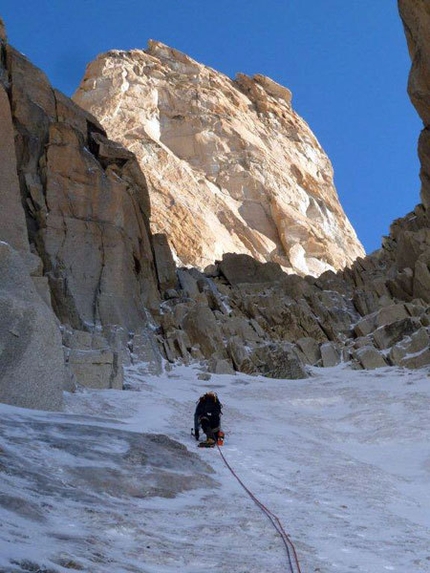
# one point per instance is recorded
(207, 416)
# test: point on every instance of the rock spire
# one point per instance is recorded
(229, 164)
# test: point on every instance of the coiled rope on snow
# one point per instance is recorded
(293, 560)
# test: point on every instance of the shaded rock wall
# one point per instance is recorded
(14, 229)
(415, 15)
(86, 205)
(32, 371)
(76, 208)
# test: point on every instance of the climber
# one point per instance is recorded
(208, 417)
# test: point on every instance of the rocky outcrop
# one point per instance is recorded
(275, 324)
(411, 236)
(235, 168)
(415, 15)
(75, 206)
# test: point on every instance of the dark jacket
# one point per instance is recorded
(207, 414)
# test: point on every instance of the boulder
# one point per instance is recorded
(384, 316)
(188, 282)
(214, 299)
(32, 372)
(258, 330)
(391, 313)
(239, 355)
(330, 354)
(91, 360)
(425, 318)
(417, 307)
(366, 325)
(330, 281)
(238, 269)
(178, 346)
(284, 319)
(365, 301)
(411, 244)
(217, 366)
(277, 361)
(335, 314)
(414, 344)
(310, 349)
(95, 368)
(386, 336)
(202, 329)
(362, 341)
(238, 326)
(369, 358)
(418, 360)
(401, 286)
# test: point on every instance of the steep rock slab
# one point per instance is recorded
(32, 370)
(235, 168)
(68, 464)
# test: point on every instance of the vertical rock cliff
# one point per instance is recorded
(75, 211)
(230, 166)
(416, 20)
(32, 372)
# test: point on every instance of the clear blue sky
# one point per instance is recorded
(345, 61)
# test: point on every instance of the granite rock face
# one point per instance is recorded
(32, 370)
(415, 15)
(235, 168)
(75, 206)
(86, 205)
(14, 229)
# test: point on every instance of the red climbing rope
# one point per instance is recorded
(293, 560)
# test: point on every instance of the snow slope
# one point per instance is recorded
(342, 458)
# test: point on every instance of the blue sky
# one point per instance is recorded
(345, 61)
